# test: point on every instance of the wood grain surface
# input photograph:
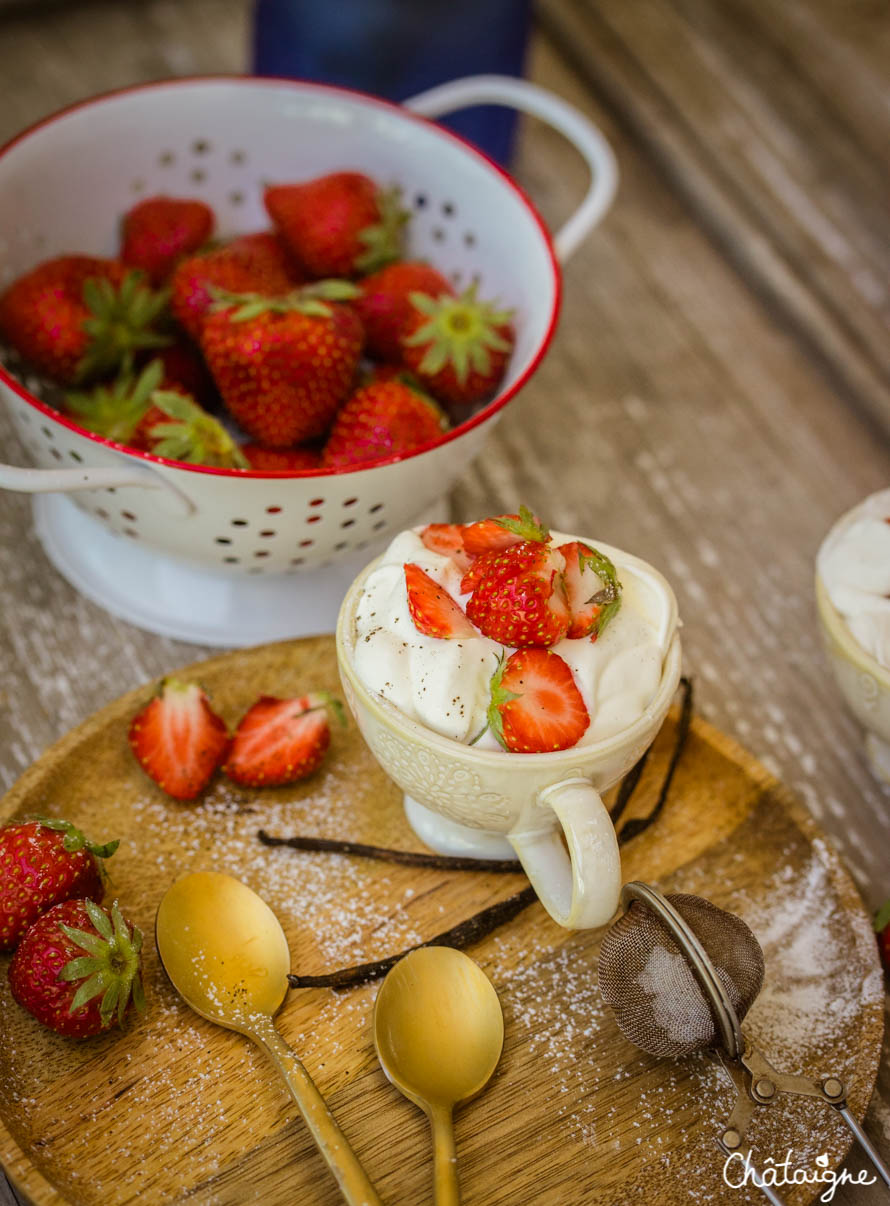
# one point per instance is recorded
(691, 408)
(177, 1109)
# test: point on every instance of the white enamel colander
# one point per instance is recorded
(230, 557)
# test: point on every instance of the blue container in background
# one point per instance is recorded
(397, 48)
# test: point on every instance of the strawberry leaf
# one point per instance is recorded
(882, 917)
(527, 526)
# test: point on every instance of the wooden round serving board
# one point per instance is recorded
(175, 1108)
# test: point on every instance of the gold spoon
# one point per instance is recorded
(439, 1030)
(227, 956)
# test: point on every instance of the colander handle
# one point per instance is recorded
(579, 890)
(67, 481)
(529, 98)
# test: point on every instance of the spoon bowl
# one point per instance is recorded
(226, 955)
(439, 1032)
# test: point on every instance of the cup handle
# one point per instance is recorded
(580, 890)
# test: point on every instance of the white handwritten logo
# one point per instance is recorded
(739, 1170)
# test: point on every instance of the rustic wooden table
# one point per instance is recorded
(718, 392)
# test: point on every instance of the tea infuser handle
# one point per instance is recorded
(529, 98)
(580, 890)
(68, 481)
(865, 1143)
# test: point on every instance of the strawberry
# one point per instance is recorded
(185, 371)
(160, 230)
(457, 346)
(535, 704)
(503, 531)
(386, 307)
(447, 539)
(593, 592)
(257, 263)
(118, 410)
(281, 460)
(284, 365)
(281, 740)
(179, 429)
(882, 930)
(77, 969)
(337, 225)
(380, 420)
(433, 610)
(41, 863)
(77, 318)
(178, 739)
(517, 595)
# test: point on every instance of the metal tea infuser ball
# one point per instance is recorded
(680, 974)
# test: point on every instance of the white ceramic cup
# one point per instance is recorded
(532, 799)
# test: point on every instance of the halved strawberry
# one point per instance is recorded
(179, 740)
(536, 706)
(433, 610)
(281, 740)
(518, 595)
(503, 531)
(447, 539)
(592, 589)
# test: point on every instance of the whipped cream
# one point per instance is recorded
(854, 565)
(444, 684)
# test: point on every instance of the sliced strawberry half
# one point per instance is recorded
(592, 589)
(518, 595)
(447, 539)
(433, 610)
(179, 740)
(536, 706)
(503, 531)
(279, 741)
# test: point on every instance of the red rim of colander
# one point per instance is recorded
(487, 411)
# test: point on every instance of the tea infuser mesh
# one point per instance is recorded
(649, 983)
(679, 974)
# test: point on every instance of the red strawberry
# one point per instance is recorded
(178, 739)
(517, 595)
(41, 863)
(283, 460)
(380, 420)
(535, 704)
(284, 365)
(281, 740)
(257, 263)
(447, 539)
(160, 230)
(185, 371)
(77, 969)
(882, 929)
(177, 428)
(503, 531)
(337, 225)
(77, 318)
(592, 589)
(386, 307)
(457, 346)
(433, 610)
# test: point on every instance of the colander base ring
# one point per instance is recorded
(175, 599)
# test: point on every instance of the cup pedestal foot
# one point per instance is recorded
(878, 752)
(448, 837)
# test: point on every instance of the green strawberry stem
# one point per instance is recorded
(499, 697)
(308, 299)
(609, 598)
(383, 240)
(120, 323)
(882, 917)
(75, 839)
(116, 410)
(110, 966)
(528, 526)
(459, 331)
(193, 436)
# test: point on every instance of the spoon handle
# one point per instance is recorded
(332, 1143)
(446, 1188)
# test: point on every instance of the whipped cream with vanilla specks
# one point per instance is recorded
(444, 684)
(854, 565)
